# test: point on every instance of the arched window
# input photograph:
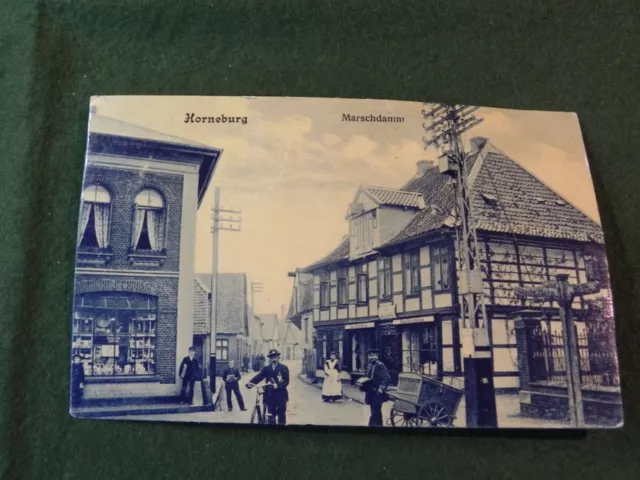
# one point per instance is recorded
(95, 211)
(148, 221)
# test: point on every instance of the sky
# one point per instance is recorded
(295, 166)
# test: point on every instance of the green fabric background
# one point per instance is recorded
(579, 56)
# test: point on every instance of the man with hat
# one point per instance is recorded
(276, 375)
(375, 387)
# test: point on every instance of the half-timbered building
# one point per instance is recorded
(392, 282)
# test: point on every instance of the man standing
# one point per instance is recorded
(376, 387)
(245, 363)
(231, 376)
(276, 375)
(188, 371)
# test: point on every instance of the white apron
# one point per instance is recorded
(332, 386)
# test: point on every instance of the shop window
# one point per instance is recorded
(362, 284)
(441, 266)
(115, 333)
(420, 350)
(324, 290)
(93, 230)
(148, 221)
(384, 278)
(343, 286)
(222, 349)
(412, 273)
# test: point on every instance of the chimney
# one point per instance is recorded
(478, 143)
(423, 166)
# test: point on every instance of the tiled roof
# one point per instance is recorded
(341, 252)
(387, 196)
(506, 199)
(232, 303)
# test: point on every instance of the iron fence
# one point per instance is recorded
(596, 352)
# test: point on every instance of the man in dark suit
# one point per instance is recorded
(188, 372)
(376, 388)
(276, 375)
(231, 376)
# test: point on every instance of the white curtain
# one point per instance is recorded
(101, 212)
(138, 222)
(84, 220)
(154, 226)
(406, 351)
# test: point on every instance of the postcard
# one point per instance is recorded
(343, 262)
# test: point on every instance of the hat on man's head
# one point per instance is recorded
(374, 351)
(273, 353)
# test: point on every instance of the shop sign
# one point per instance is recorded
(355, 326)
(408, 321)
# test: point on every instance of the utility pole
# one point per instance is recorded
(220, 223)
(563, 293)
(444, 127)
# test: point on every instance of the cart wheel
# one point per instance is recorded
(400, 419)
(433, 414)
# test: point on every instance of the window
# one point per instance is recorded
(324, 290)
(362, 284)
(222, 349)
(93, 230)
(420, 350)
(148, 221)
(441, 265)
(412, 273)
(305, 328)
(384, 277)
(115, 333)
(343, 285)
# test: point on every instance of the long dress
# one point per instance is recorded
(332, 386)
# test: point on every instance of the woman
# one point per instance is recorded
(332, 386)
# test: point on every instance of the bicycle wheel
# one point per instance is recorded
(256, 416)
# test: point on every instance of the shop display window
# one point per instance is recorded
(115, 333)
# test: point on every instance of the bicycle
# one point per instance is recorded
(259, 414)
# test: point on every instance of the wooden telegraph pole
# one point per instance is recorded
(232, 225)
(445, 126)
(563, 293)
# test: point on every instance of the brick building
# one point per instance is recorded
(233, 318)
(133, 299)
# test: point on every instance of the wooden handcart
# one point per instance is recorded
(422, 401)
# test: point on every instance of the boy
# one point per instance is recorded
(188, 371)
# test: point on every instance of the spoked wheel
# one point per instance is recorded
(401, 419)
(256, 416)
(433, 414)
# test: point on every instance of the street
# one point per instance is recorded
(305, 407)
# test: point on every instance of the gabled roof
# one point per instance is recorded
(506, 198)
(232, 303)
(388, 196)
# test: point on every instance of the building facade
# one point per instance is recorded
(133, 298)
(393, 281)
(233, 318)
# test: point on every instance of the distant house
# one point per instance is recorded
(280, 334)
(233, 314)
(300, 311)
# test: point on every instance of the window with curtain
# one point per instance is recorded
(441, 265)
(148, 221)
(324, 290)
(342, 286)
(95, 212)
(412, 273)
(384, 278)
(362, 284)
